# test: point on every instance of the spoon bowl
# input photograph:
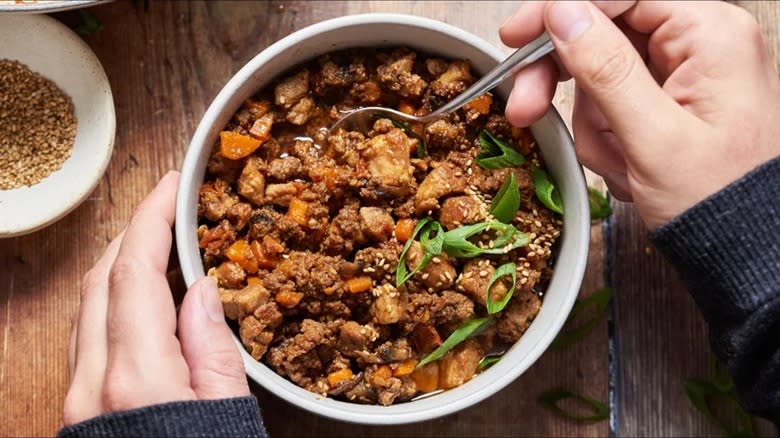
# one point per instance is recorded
(361, 119)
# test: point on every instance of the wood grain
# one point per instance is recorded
(660, 337)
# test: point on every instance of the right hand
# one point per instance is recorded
(674, 100)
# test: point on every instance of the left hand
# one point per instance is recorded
(125, 351)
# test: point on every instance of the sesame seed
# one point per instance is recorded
(425, 276)
(483, 273)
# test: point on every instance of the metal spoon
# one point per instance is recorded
(361, 119)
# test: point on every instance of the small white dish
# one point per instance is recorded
(44, 6)
(49, 48)
(374, 30)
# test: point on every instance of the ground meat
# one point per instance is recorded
(262, 222)
(251, 183)
(285, 169)
(228, 275)
(442, 134)
(215, 200)
(299, 114)
(376, 223)
(355, 337)
(438, 275)
(462, 210)
(378, 262)
(388, 164)
(397, 74)
(344, 231)
(446, 179)
(517, 316)
(238, 214)
(214, 241)
(290, 90)
(313, 274)
(475, 278)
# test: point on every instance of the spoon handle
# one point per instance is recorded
(515, 62)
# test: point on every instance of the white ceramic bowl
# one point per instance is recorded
(431, 36)
(49, 48)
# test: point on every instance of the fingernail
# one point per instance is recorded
(209, 298)
(568, 20)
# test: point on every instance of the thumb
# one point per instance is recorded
(216, 369)
(607, 67)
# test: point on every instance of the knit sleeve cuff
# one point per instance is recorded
(232, 417)
(727, 247)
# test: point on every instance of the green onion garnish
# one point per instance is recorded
(546, 190)
(488, 361)
(496, 154)
(599, 301)
(599, 204)
(550, 401)
(702, 393)
(431, 247)
(503, 270)
(89, 23)
(466, 330)
(456, 242)
(507, 200)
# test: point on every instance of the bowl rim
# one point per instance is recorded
(106, 148)
(375, 414)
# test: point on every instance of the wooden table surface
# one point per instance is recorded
(165, 64)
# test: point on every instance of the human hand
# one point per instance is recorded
(674, 100)
(125, 351)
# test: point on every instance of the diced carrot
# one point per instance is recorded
(271, 246)
(288, 299)
(235, 146)
(337, 377)
(254, 280)
(241, 253)
(297, 211)
(481, 104)
(264, 260)
(405, 368)
(406, 107)
(426, 378)
(359, 284)
(425, 338)
(404, 229)
(381, 374)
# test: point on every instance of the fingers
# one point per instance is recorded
(532, 92)
(141, 311)
(527, 22)
(597, 147)
(145, 365)
(608, 68)
(216, 369)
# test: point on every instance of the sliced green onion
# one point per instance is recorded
(496, 154)
(432, 248)
(551, 398)
(89, 23)
(599, 300)
(599, 204)
(456, 242)
(720, 376)
(546, 190)
(702, 393)
(502, 271)
(421, 148)
(487, 362)
(466, 330)
(507, 200)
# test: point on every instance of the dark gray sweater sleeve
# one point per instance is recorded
(231, 417)
(727, 250)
